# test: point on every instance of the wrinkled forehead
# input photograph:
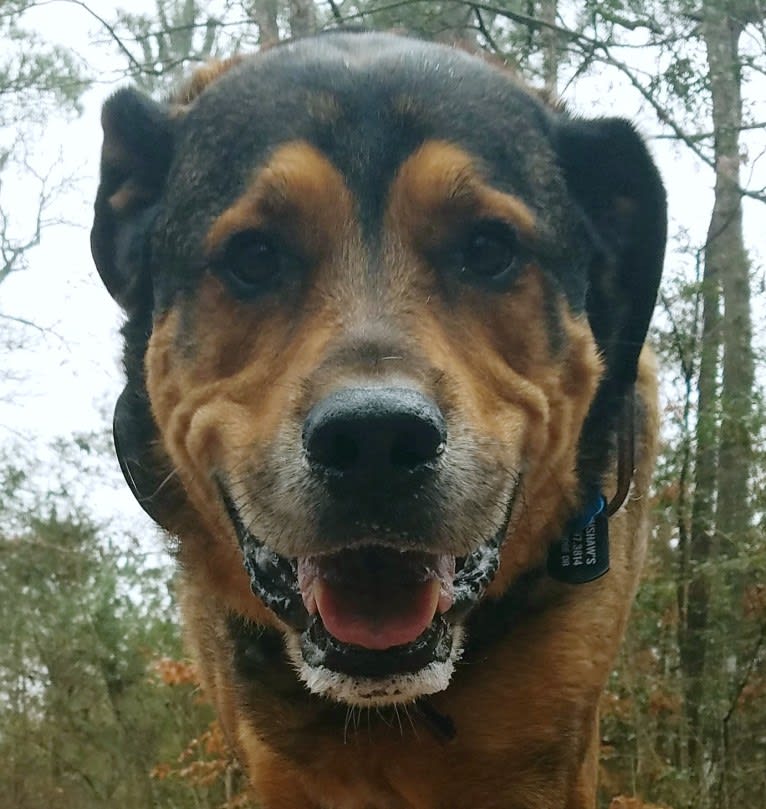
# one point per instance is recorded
(366, 112)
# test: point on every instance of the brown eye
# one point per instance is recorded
(490, 255)
(252, 262)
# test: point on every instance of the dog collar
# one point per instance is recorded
(582, 554)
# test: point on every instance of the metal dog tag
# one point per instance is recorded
(583, 554)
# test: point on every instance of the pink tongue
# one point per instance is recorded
(343, 620)
(376, 598)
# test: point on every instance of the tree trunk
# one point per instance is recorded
(726, 251)
(265, 15)
(720, 511)
(303, 18)
(693, 640)
(550, 47)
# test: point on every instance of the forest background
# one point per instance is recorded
(98, 706)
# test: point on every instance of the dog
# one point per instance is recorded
(385, 310)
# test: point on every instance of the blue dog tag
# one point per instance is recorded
(582, 555)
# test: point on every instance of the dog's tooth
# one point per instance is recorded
(310, 602)
(307, 578)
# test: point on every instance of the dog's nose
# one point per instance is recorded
(382, 433)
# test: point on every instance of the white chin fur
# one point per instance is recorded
(371, 691)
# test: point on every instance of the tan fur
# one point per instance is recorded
(532, 701)
(201, 79)
(440, 185)
(530, 708)
(300, 194)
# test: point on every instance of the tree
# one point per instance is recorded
(684, 717)
(162, 47)
(35, 78)
(86, 621)
(714, 549)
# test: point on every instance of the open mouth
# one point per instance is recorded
(373, 611)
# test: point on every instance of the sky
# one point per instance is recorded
(68, 371)
(72, 368)
(66, 375)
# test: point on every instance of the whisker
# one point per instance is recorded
(406, 709)
(399, 720)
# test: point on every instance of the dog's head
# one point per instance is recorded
(383, 308)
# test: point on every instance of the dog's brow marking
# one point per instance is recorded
(440, 180)
(298, 191)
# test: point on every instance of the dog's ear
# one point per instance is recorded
(135, 159)
(618, 188)
(147, 471)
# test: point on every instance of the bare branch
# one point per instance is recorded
(24, 322)
(687, 362)
(336, 12)
(484, 31)
(112, 33)
(754, 657)
(13, 249)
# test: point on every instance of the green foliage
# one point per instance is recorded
(35, 76)
(84, 718)
(90, 718)
(645, 725)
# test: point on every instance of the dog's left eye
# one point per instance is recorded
(490, 255)
(252, 262)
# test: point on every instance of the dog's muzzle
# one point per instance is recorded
(373, 610)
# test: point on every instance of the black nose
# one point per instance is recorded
(383, 433)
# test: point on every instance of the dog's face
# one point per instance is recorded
(382, 309)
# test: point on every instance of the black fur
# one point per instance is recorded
(592, 185)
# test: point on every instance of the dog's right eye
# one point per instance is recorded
(252, 262)
(490, 255)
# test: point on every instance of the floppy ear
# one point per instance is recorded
(135, 159)
(134, 164)
(622, 200)
(613, 178)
